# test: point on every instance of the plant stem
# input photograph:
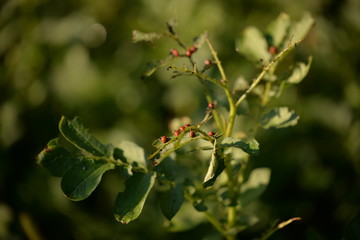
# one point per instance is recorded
(218, 62)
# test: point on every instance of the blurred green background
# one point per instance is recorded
(77, 58)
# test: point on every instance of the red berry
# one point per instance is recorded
(211, 105)
(188, 53)
(211, 133)
(176, 133)
(163, 139)
(182, 128)
(192, 49)
(192, 134)
(175, 52)
(207, 62)
(273, 50)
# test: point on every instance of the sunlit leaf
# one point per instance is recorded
(82, 179)
(138, 36)
(252, 44)
(256, 184)
(279, 117)
(133, 154)
(278, 29)
(129, 203)
(248, 145)
(300, 29)
(299, 72)
(171, 200)
(216, 167)
(186, 219)
(75, 132)
(56, 159)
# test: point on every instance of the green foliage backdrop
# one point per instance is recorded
(78, 58)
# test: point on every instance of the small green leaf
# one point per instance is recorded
(216, 167)
(138, 36)
(300, 29)
(299, 72)
(134, 155)
(278, 29)
(248, 145)
(252, 44)
(256, 184)
(75, 132)
(279, 117)
(82, 179)
(56, 159)
(129, 203)
(171, 200)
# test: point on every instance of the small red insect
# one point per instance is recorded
(211, 133)
(207, 62)
(192, 49)
(273, 50)
(188, 53)
(211, 105)
(163, 139)
(176, 133)
(192, 134)
(175, 52)
(182, 128)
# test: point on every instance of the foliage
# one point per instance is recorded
(83, 159)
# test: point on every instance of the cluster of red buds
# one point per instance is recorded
(188, 52)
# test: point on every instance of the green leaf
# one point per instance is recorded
(300, 29)
(299, 72)
(216, 167)
(248, 145)
(138, 36)
(134, 155)
(256, 184)
(279, 117)
(129, 203)
(56, 159)
(252, 44)
(75, 132)
(278, 29)
(186, 219)
(172, 200)
(82, 179)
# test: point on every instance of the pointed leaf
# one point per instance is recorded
(256, 184)
(216, 167)
(279, 117)
(75, 132)
(134, 155)
(278, 29)
(172, 200)
(248, 145)
(129, 203)
(138, 36)
(300, 29)
(82, 179)
(56, 159)
(299, 72)
(253, 45)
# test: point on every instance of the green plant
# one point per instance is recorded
(225, 186)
